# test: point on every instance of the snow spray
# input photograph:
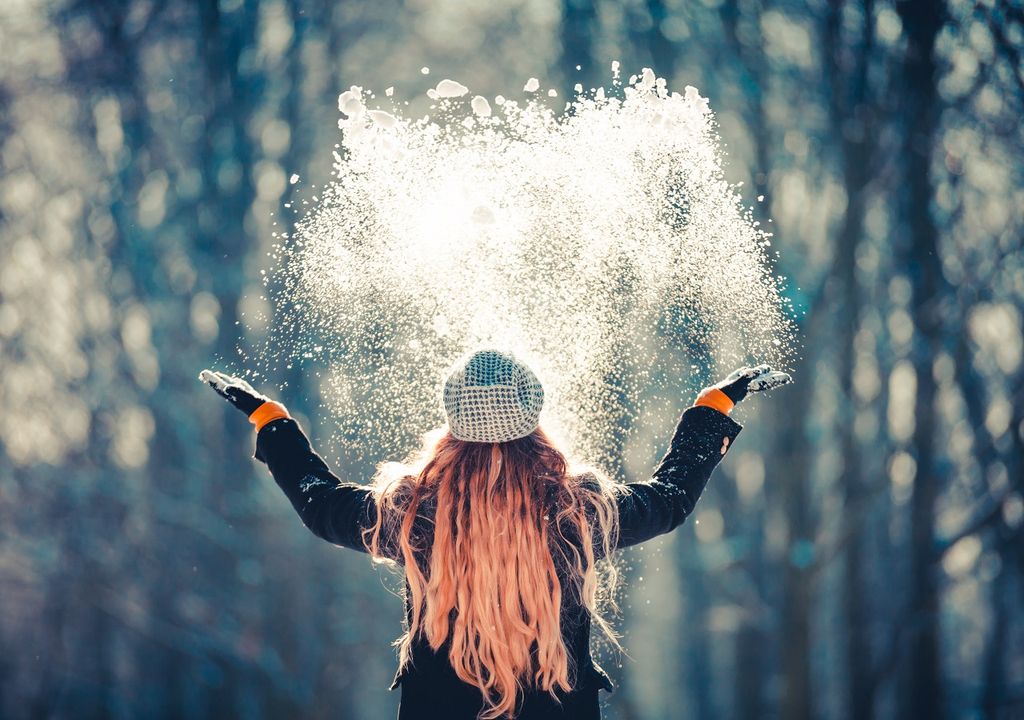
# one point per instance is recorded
(599, 241)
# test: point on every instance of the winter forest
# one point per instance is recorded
(859, 555)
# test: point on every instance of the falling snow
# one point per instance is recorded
(450, 89)
(480, 106)
(602, 244)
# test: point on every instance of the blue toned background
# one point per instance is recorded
(859, 555)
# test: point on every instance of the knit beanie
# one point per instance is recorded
(492, 397)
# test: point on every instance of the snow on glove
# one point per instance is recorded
(258, 408)
(725, 394)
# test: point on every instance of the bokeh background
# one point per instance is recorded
(860, 554)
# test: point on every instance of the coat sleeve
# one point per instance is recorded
(659, 505)
(333, 510)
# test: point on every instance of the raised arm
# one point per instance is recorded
(703, 436)
(333, 510)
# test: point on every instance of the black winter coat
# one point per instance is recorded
(337, 512)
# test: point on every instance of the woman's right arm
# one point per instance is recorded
(333, 510)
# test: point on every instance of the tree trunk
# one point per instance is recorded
(750, 639)
(793, 471)
(852, 124)
(579, 24)
(231, 97)
(664, 52)
(922, 21)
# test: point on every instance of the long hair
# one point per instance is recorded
(513, 534)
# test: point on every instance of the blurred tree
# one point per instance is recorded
(852, 104)
(740, 23)
(578, 31)
(920, 107)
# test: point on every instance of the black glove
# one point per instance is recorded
(235, 390)
(756, 379)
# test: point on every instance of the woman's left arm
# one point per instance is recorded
(333, 510)
(703, 436)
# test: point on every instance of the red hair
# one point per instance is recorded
(508, 519)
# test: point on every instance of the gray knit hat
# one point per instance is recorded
(492, 397)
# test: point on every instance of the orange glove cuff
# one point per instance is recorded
(267, 412)
(715, 398)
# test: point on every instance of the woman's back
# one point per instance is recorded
(430, 681)
(341, 513)
(496, 574)
(499, 543)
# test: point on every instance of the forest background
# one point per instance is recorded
(859, 555)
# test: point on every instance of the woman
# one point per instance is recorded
(489, 525)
